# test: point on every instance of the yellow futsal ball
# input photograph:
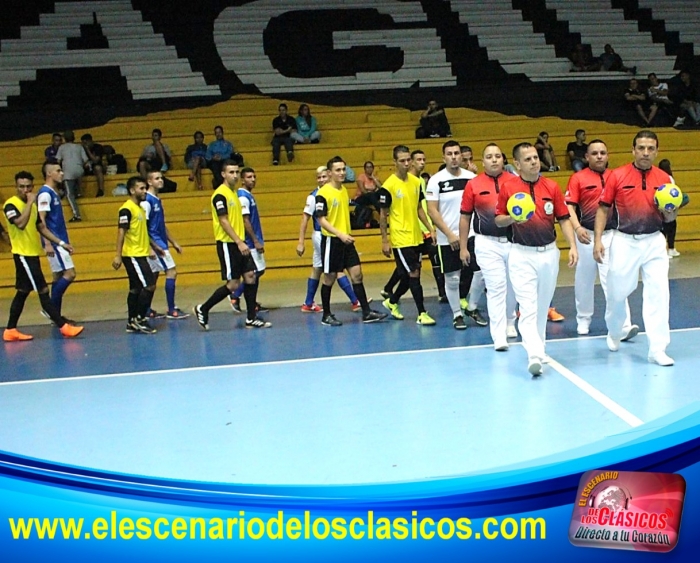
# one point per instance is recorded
(521, 207)
(668, 197)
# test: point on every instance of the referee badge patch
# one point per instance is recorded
(548, 207)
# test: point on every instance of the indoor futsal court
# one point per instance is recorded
(306, 404)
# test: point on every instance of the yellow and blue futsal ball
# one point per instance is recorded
(521, 207)
(668, 197)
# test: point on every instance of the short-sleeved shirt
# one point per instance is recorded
(631, 191)
(150, 151)
(447, 190)
(225, 202)
(48, 201)
(584, 191)
(479, 199)
(578, 150)
(310, 209)
(249, 207)
(73, 158)
(50, 152)
(132, 220)
(278, 123)
(194, 150)
(155, 220)
(25, 242)
(549, 205)
(334, 205)
(222, 148)
(402, 199)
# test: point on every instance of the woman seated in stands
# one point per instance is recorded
(546, 153)
(306, 127)
(195, 159)
(367, 194)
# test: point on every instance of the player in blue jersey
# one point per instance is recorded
(160, 238)
(253, 235)
(317, 266)
(51, 214)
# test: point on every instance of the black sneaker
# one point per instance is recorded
(236, 305)
(202, 317)
(476, 316)
(75, 219)
(459, 323)
(153, 314)
(130, 328)
(373, 317)
(259, 308)
(330, 320)
(257, 322)
(443, 299)
(143, 326)
(385, 294)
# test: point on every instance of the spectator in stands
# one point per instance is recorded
(196, 159)
(72, 158)
(52, 149)
(508, 167)
(156, 156)
(94, 167)
(367, 195)
(658, 91)
(669, 229)
(468, 159)
(685, 97)
(611, 61)
(577, 150)
(433, 122)
(637, 101)
(283, 126)
(583, 61)
(306, 127)
(545, 151)
(219, 151)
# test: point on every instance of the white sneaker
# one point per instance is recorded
(661, 358)
(511, 332)
(582, 329)
(535, 367)
(503, 347)
(672, 253)
(613, 343)
(631, 333)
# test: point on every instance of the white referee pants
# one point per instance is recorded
(492, 257)
(533, 272)
(629, 254)
(584, 280)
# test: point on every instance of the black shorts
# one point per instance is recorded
(408, 258)
(139, 272)
(337, 256)
(449, 259)
(473, 266)
(29, 276)
(233, 263)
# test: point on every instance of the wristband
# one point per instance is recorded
(61, 243)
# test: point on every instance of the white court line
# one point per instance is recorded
(597, 395)
(296, 361)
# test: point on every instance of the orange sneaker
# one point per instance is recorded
(555, 316)
(14, 335)
(70, 331)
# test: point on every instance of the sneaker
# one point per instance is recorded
(476, 316)
(385, 294)
(290, 156)
(356, 307)
(313, 308)
(582, 329)
(511, 332)
(661, 358)
(70, 331)
(373, 317)
(259, 308)
(155, 315)
(257, 322)
(535, 367)
(236, 305)
(672, 252)
(393, 308)
(202, 317)
(679, 121)
(631, 333)
(75, 219)
(554, 315)
(613, 343)
(14, 335)
(458, 323)
(130, 328)
(425, 319)
(502, 347)
(330, 320)
(443, 299)
(275, 162)
(142, 325)
(177, 314)
(463, 303)
(100, 193)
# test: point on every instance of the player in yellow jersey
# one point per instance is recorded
(23, 227)
(400, 199)
(133, 250)
(234, 254)
(338, 250)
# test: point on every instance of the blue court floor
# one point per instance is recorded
(305, 404)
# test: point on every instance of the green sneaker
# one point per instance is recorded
(393, 308)
(425, 319)
(463, 303)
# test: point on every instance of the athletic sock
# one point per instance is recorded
(170, 293)
(50, 310)
(217, 297)
(347, 287)
(465, 282)
(452, 292)
(393, 280)
(57, 290)
(359, 289)
(132, 303)
(402, 288)
(417, 292)
(250, 293)
(311, 287)
(143, 305)
(326, 299)
(439, 280)
(16, 308)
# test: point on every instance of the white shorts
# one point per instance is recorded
(259, 260)
(316, 241)
(162, 263)
(61, 260)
